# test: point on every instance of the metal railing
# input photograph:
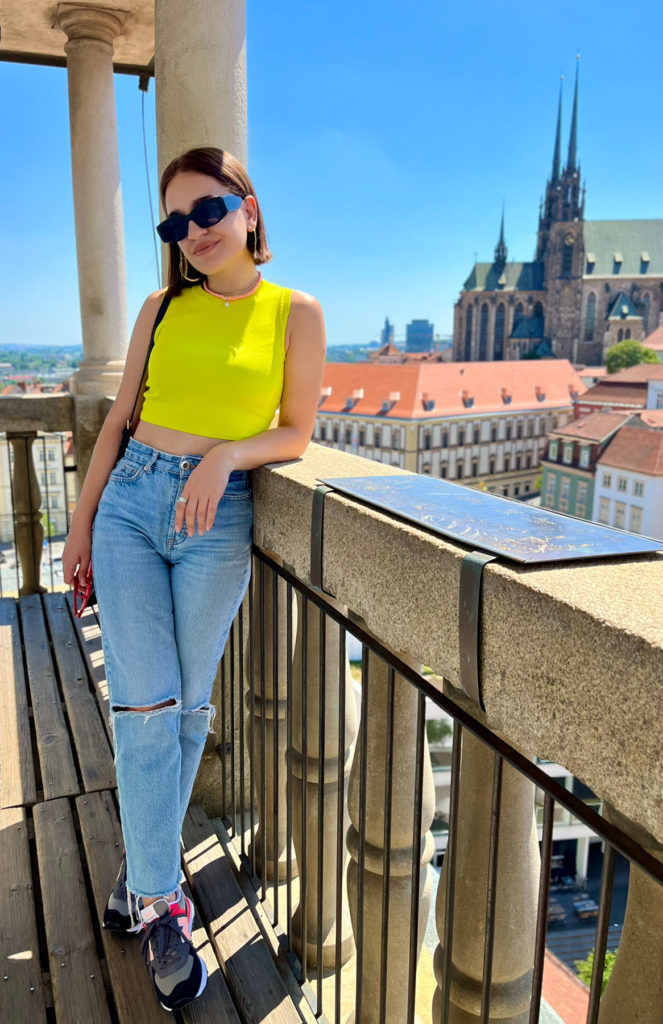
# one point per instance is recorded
(253, 736)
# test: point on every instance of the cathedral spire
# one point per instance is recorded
(558, 139)
(500, 248)
(573, 140)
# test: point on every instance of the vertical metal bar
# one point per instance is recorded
(498, 765)
(276, 769)
(31, 509)
(361, 859)
(386, 846)
(232, 697)
(224, 744)
(602, 925)
(303, 886)
(10, 453)
(242, 766)
(542, 910)
(288, 777)
(263, 734)
(450, 862)
(340, 808)
(65, 474)
(416, 853)
(42, 438)
(252, 722)
(322, 625)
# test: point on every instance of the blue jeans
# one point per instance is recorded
(166, 604)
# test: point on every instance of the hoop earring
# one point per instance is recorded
(183, 266)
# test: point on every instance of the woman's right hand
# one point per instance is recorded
(77, 553)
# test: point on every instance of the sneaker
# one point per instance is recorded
(178, 973)
(121, 913)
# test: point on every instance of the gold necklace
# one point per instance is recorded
(230, 298)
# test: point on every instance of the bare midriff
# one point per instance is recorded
(175, 442)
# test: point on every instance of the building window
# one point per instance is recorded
(551, 484)
(475, 435)
(590, 316)
(519, 429)
(378, 438)
(622, 484)
(566, 486)
(362, 436)
(459, 471)
(323, 432)
(530, 428)
(498, 348)
(518, 315)
(475, 467)
(461, 437)
(508, 432)
(567, 455)
(506, 463)
(620, 335)
(395, 439)
(620, 514)
(627, 334)
(635, 525)
(54, 501)
(516, 491)
(335, 435)
(517, 461)
(426, 468)
(567, 257)
(607, 480)
(483, 332)
(552, 450)
(445, 440)
(491, 469)
(51, 456)
(604, 510)
(638, 488)
(427, 442)
(584, 457)
(348, 435)
(52, 478)
(493, 432)
(468, 334)
(443, 471)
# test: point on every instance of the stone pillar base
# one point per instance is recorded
(99, 377)
(328, 941)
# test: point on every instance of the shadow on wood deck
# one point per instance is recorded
(60, 844)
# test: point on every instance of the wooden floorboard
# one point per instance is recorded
(21, 989)
(17, 774)
(58, 771)
(92, 747)
(61, 966)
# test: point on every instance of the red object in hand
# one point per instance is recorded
(82, 595)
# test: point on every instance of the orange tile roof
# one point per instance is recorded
(564, 991)
(636, 449)
(447, 383)
(617, 394)
(638, 374)
(652, 417)
(593, 427)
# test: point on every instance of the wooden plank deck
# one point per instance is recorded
(60, 844)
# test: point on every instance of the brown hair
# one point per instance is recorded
(228, 171)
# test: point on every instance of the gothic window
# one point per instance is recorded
(627, 334)
(538, 309)
(483, 332)
(468, 334)
(518, 314)
(567, 256)
(620, 335)
(590, 316)
(498, 348)
(645, 314)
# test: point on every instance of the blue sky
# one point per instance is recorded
(383, 139)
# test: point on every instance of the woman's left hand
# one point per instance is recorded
(204, 489)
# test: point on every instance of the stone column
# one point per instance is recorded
(97, 195)
(516, 894)
(27, 511)
(200, 69)
(319, 783)
(401, 878)
(635, 990)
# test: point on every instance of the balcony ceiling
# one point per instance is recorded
(29, 38)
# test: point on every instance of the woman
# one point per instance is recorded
(168, 529)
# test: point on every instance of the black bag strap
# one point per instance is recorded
(165, 302)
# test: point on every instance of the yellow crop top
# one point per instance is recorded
(217, 367)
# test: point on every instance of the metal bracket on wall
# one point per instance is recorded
(469, 610)
(317, 521)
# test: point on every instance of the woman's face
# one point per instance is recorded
(214, 248)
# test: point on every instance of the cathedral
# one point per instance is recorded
(590, 285)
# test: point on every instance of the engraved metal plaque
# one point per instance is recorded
(490, 522)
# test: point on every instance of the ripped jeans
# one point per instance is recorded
(166, 603)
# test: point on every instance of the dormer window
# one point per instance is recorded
(540, 393)
(324, 393)
(591, 262)
(352, 399)
(506, 397)
(427, 401)
(467, 399)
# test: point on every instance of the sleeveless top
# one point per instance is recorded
(217, 366)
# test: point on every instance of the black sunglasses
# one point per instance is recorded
(204, 214)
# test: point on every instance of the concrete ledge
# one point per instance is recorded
(37, 412)
(571, 656)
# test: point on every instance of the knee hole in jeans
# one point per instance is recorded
(152, 707)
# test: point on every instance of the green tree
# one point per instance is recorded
(585, 968)
(628, 353)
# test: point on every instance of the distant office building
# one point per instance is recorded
(419, 336)
(387, 333)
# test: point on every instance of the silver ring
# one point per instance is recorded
(183, 500)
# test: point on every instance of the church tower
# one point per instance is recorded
(560, 243)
